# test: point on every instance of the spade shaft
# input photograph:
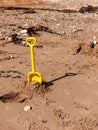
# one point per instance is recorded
(32, 59)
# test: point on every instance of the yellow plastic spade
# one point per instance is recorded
(33, 75)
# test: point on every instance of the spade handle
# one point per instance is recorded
(31, 41)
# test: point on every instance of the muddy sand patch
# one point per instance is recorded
(26, 92)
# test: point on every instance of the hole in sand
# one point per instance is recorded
(26, 92)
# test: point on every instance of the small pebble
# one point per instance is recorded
(27, 108)
(94, 40)
(11, 56)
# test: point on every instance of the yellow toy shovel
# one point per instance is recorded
(33, 75)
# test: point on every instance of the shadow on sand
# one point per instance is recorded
(50, 83)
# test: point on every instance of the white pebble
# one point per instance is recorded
(22, 32)
(94, 40)
(27, 108)
(11, 56)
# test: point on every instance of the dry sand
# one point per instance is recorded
(65, 56)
